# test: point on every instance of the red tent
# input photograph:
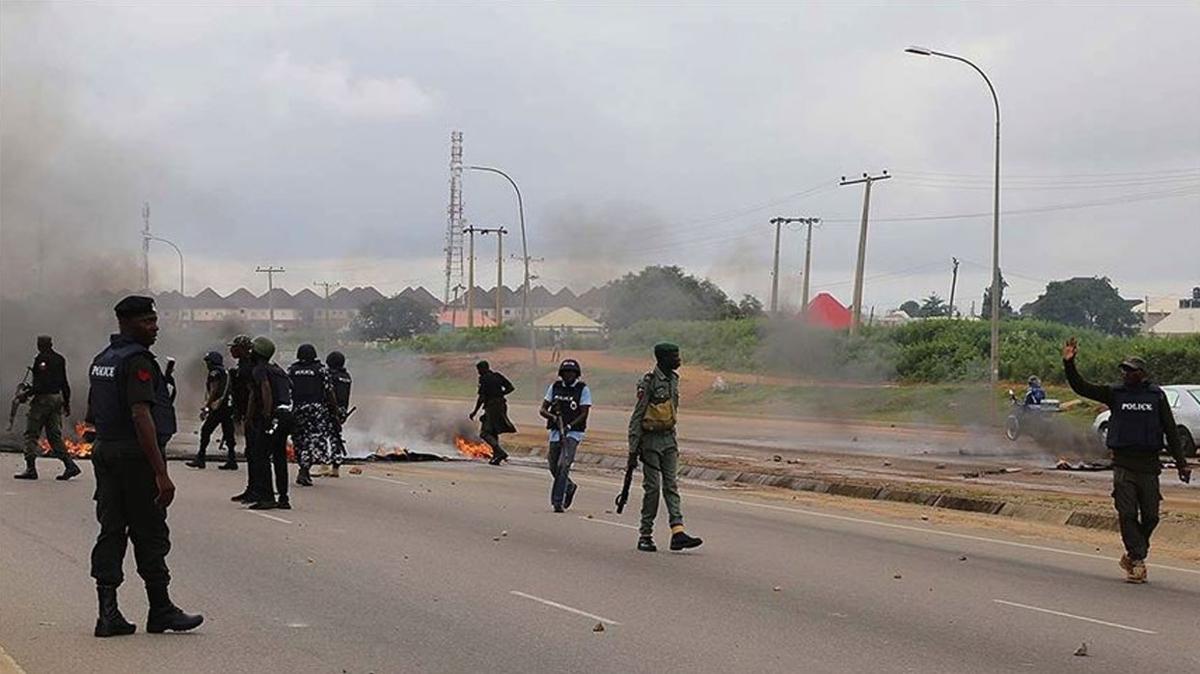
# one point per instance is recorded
(826, 312)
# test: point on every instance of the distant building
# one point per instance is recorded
(567, 320)
(826, 312)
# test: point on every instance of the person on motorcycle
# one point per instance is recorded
(1036, 394)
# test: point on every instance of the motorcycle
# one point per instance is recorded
(1033, 420)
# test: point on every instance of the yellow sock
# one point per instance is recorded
(677, 529)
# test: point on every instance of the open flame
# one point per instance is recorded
(474, 449)
(76, 447)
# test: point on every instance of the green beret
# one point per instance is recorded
(664, 348)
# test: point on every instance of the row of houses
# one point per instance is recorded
(306, 308)
(1170, 315)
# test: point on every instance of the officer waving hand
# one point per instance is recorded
(1140, 419)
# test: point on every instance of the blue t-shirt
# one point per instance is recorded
(585, 398)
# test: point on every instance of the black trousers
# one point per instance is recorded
(224, 419)
(1136, 497)
(270, 450)
(125, 508)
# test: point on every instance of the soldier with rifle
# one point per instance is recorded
(49, 396)
(652, 440)
(565, 409)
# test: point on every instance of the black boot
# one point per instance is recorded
(110, 622)
(231, 464)
(304, 479)
(681, 541)
(70, 470)
(646, 544)
(197, 462)
(30, 470)
(167, 616)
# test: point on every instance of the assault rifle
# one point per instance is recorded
(623, 497)
(24, 389)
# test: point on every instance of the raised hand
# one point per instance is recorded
(1070, 349)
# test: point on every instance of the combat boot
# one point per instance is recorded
(283, 503)
(30, 470)
(70, 470)
(110, 622)
(228, 465)
(165, 615)
(681, 541)
(646, 544)
(197, 462)
(304, 478)
(569, 497)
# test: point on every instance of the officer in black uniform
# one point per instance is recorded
(268, 420)
(1140, 417)
(130, 407)
(340, 379)
(241, 382)
(49, 399)
(217, 412)
(565, 407)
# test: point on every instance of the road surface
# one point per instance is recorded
(458, 567)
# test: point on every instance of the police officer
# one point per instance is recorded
(130, 407)
(49, 399)
(1140, 418)
(268, 419)
(652, 439)
(312, 403)
(339, 379)
(241, 382)
(565, 408)
(217, 412)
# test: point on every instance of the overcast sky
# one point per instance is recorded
(318, 139)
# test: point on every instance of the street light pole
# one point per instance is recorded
(995, 347)
(524, 255)
(177, 251)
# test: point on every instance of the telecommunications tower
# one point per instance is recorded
(454, 220)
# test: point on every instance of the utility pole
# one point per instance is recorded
(454, 307)
(953, 285)
(808, 222)
(856, 317)
(146, 246)
(500, 232)
(471, 231)
(270, 271)
(778, 222)
(327, 285)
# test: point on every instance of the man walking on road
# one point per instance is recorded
(493, 387)
(130, 406)
(241, 382)
(565, 409)
(652, 439)
(341, 382)
(217, 412)
(1140, 418)
(50, 399)
(269, 420)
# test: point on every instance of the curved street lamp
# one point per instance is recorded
(179, 252)
(995, 346)
(524, 254)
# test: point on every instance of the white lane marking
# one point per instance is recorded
(387, 479)
(1074, 617)
(564, 607)
(585, 518)
(297, 625)
(902, 527)
(270, 517)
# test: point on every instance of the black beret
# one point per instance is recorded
(134, 306)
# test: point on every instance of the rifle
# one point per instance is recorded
(623, 497)
(20, 397)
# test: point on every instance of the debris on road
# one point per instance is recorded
(1082, 650)
(777, 588)
(897, 577)
(991, 471)
(924, 518)
(504, 533)
(887, 463)
(777, 458)
(940, 466)
(962, 558)
(1091, 466)
(355, 470)
(598, 628)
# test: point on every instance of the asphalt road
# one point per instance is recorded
(457, 567)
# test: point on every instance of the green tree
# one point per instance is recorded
(1085, 302)
(933, 306)
(912, 308)
(750, 307)
(665, 293)
(1006, 310)
(394, 318)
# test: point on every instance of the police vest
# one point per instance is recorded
(220, 377)
(308, 382)
(1134, 422)
(110, 410)
(566, 402)
(340, 379)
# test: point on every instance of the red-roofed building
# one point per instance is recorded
(826, 312)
